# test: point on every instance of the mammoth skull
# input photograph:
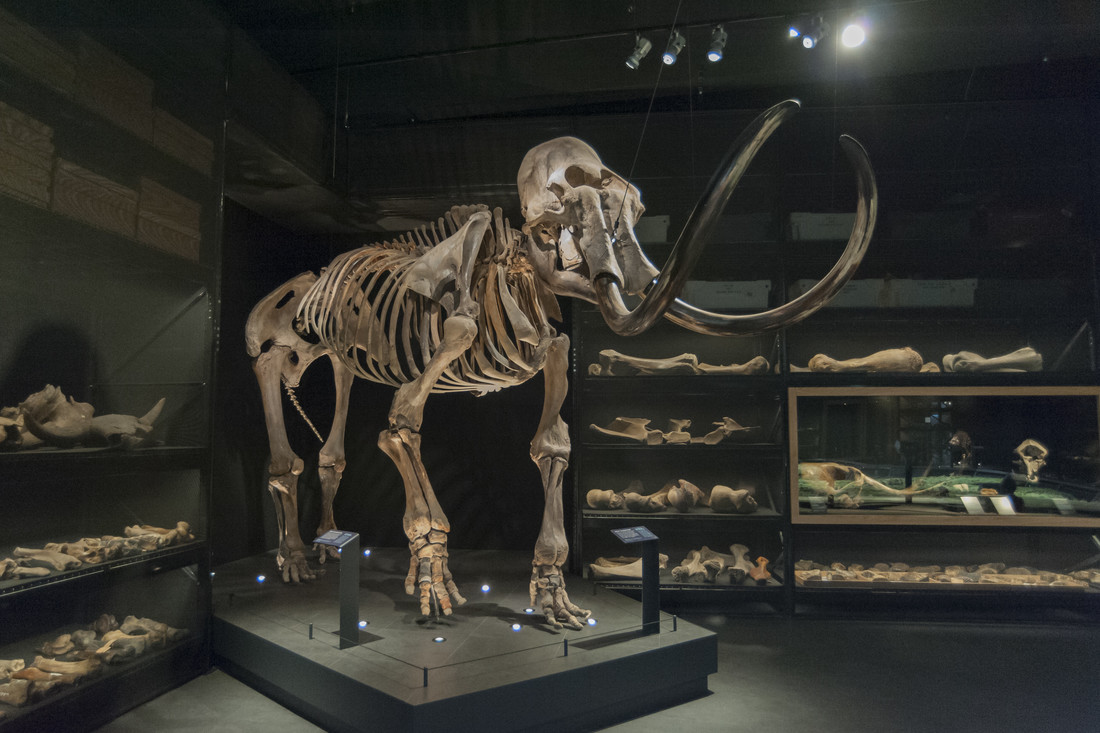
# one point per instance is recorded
(581, 216)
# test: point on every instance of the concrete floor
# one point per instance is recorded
(794, 675)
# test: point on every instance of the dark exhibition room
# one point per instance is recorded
(545, 366)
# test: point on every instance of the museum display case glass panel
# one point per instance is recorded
(984, 456)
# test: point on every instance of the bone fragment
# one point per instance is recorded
(632, 428)
(678, 432)
(61, 645)
(106, 622)
(615, 364)
(723, 429)
(759, 572)
(889, 360)
(10, 666)
(15, 693)
(755, 365)
(121, 646)
(1026, 359)
(604, 499)
(158, 632)
(7, 567)
(650, 504)
(684, 496)
(23, 571)
(176, 535)
(1033, 455)
(706, 565)
(725, 500)
(621, 567)
(45, 558)
(78, 669)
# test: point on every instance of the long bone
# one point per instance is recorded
(45, 558)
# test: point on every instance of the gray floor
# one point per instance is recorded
(795, 675)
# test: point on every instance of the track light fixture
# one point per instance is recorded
(717, 44)
(676, 43)
(816, 29)
(641, 48)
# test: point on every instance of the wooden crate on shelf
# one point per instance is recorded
(26, 156)
(112, 88)
(168, 221)
(93, 199)
(182, 142)
(35, 54)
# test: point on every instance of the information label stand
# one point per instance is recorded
(651, 582)
(348, 544)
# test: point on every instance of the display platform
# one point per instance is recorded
(493, 665)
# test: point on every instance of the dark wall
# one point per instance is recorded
(475, 449)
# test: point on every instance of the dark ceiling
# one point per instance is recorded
(403, 77)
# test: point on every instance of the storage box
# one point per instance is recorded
(26, 156)
(93, 199)
(36, 55)
(182, 142)
(168, 221)
(727, 295)
(821, 227)
(109, 86)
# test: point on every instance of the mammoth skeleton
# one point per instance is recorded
(468, 307)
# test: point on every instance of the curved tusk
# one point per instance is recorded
(717, 324)
(700, 224)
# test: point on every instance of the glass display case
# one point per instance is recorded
(109, 194)
(682, 434)
(995, 456)
(984, 495)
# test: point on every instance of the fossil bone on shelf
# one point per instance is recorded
(45, 558)
(1026, 359)
(10, 666)
(705, 565)
(621, 567)
(726, 500)
(15, 692)
(888, 360)
(1033, 456)
(616, 364)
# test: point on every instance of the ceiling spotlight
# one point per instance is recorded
(854, 34)
(676, 43)
(717, 43)
(816, 29)
(641, 48)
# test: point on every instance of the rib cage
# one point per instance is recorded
(362, 310)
